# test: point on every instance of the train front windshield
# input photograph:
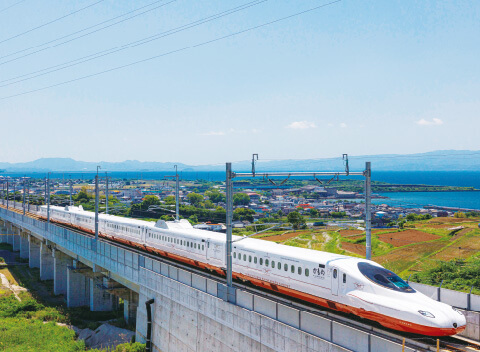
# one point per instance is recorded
(384, 277)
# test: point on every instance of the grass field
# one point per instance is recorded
(421, 247)
(31, 323)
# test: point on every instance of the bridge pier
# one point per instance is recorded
(24, 245)
(34, 252)
(130, 306)
(100, 300)
(78, 290)
(61, 262)
(16, 239)
(46, 262)
(3, 229)
(10, 234)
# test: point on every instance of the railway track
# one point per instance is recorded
(418, 343)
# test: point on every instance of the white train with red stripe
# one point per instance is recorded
(339, 282)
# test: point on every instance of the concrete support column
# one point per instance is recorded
(10, 234)
(24, 246)
(34, 252)
(61, 262)
(16, 240)
(130, 308)
(100, 299)
(78, 290)
(46, 262)
(3, 231)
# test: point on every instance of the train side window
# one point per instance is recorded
(255, 260)
(267, 262)
(285, 267)
(249, 258)
(235, 255)
(299, 270)
(292, 269)
(261, 261)
(195, 245)
(203, 247)
(307, 272)
(334, 273)
(273, 264)
(279, 266)
(244, 257)
(344, 278)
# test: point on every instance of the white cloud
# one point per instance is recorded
(301, 125)
(213, 133)
(343, 125)
(433, 122)
(256, 131)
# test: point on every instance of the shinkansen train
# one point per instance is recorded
(347, 284)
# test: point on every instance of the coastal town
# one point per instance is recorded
(203, 202)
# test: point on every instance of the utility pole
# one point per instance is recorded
(229, 213)
(106, 192)
(24, 188)
(7, 194)
(177, 195)
(28, 195)
(14, 200)
(48, 201)
(368, 211)
(45, 190)
(70, 188)
(96, 206)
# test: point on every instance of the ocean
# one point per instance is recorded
(469, 200)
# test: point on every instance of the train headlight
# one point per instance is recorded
(457, 310)
(426, 314)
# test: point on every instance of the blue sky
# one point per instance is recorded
(356, 77)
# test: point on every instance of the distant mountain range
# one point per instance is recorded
(443, 160)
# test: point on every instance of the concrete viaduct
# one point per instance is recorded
(191, 311)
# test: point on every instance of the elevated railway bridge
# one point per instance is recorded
(193, 310)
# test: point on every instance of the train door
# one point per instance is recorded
(335, 281)
(208, 249)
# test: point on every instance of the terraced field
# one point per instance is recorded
(421, 246)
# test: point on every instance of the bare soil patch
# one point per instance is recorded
(354, 248)
(463, 249)
(350, 232)
(403, 238)
(402, 258)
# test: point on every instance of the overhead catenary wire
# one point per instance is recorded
(174, 51)
(50, 22)
(12, 5)
(83, 30)
(130, 45)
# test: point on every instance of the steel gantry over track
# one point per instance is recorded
(230, 175)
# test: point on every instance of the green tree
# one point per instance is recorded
(243, 214)
(313, 212)
(241, 199)
(296, 220)
(215, 195)
(194, 198)
(149, 201)
(170, 200)
(193, 219)
(82, 196)
(208, 204)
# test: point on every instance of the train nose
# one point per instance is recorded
(455, 325)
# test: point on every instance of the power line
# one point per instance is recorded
(174, 51)
(80, 31)
(129, 45)
(50, 22)
(8, 7)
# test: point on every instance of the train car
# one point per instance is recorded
(338, 282)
